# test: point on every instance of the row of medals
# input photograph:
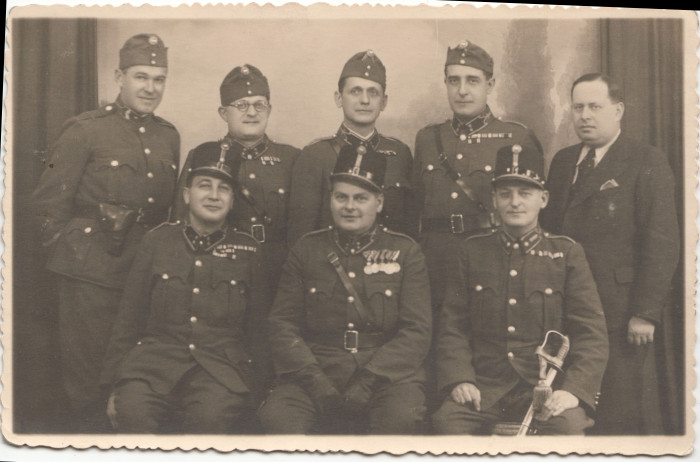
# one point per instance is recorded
(382, 260)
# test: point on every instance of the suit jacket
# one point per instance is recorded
(183, 308)
(624, 216)
(502, 297)
(312, 304)
(310, 196)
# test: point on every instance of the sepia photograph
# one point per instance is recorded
(434, 228)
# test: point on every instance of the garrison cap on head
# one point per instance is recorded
(518, 163)
(243, 81)
(209, 162)
(145, 50)
(469, 54)
(366, 65)
(360, 165)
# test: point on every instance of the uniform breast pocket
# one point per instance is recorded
(230, 290)
(118, 175)
(486, 316)
(276, 202)
(435, 182)
(395, 198)
(164, 174)
(320, 311)
(383, 304)
(170, 296)
(545, 305)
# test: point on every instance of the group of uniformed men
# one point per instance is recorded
(266, 285)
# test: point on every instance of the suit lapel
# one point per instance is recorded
(612, 164)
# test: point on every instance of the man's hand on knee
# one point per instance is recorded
(560, 401)
(467, 393)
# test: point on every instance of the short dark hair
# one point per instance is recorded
(341, 85)
(614, 89)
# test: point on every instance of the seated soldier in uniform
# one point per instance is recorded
(351, 323)
(178, 345)
(508, 288)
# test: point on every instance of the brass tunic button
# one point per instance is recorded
(510, 355)
(87, 230)
(478, 288)
(253, 219)
(430, 167)
(109, 108)
(548, 291)
(511, 329)
(251, 176)
(151, 200)
(516, 246)
(193, 319)
(388, 292)
(513, 273)
(351, 274)
(165, 276)
(512, 301)
(351, 298)
(195, 290)
(351, 325)
(463, 137)
(488, 168)
(192, 346)
(460, 156)
(312, 290)
(114, 163)
(454, 195)
(198, 263)
(146, 151)
(142, 129)
(280, 191)
(149, 174)
(233, 283)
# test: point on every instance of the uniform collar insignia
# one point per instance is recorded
(130, 114)
(355, 140)
(477, 123)
(252, 152)
(524, 244)
(201, 244)
(350, 244)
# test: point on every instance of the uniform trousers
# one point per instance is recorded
(629, 401)
(453, 418)
(86, 316)
(395, 409)
(199, 402)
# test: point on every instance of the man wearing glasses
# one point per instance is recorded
(262, 169)
(361, 95)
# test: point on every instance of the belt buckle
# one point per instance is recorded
(457, 226)
(258, 232)
(354, 341)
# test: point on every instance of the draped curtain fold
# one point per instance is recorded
(646, 56)
(54, 76)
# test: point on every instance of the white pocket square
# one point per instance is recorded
(609, 185)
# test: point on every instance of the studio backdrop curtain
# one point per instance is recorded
(646, 57)
(54, 77)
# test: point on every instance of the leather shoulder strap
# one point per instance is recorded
(357, 302)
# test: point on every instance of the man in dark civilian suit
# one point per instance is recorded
(614, 195)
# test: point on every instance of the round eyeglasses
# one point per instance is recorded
(243, 106)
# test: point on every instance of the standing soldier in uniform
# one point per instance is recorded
(111, 177)
(351, 324)
(178, 341)
(615, 196)
(263, 170)
(454, 161)
(362, 97)
(509, 288)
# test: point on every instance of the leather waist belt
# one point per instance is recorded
(146, 216)
(457, 224)
(350, 340)
(262, 233)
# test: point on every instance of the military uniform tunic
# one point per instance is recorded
(313, 310)
(310, 201)
(109, 155)
(449, 212)
(503, 296)
(186, 305)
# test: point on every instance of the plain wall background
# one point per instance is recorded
(536, 60)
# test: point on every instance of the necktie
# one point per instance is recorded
(585, 167)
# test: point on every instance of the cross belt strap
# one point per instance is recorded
(357, 302)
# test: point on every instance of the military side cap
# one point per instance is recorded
(243, 81)
(360, 165)
(519, 163)
(212, 162)
(469, 54)
(143, 49)
(366, 65)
